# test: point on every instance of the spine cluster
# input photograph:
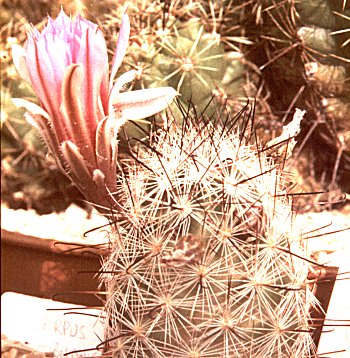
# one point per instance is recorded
(205, 259)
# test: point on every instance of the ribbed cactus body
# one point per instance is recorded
(196, 64)
(194, 47)
(205, 259)
(302, 49)
(325, 29)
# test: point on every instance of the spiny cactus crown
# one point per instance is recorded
(205, 260)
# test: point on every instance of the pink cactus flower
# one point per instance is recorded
(82, 108)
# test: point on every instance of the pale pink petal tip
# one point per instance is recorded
(19, 60)
(136, 105)
(120, 50)
(30, 107)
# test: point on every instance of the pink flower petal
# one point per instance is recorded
(30, 107)
(42, 76)
(144, 103)
(39, 119)
(62, 21)
(93, 56)
(120, 50)
(121, 81)
(78, 166)
(106, 150)
(72, 109)
(19, 60)
(48, 133)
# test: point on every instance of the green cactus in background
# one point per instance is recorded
(205, 260)
(302, 49)
(192, 47)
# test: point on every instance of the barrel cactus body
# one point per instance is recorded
(205, 259)
(302, 49)
(195, 63)
(324, 30)
(196, 47)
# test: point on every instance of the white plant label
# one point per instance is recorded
(50, 326)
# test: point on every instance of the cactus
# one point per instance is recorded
(205, 260)
(195, 47)
(195, 63)
(302, 49)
